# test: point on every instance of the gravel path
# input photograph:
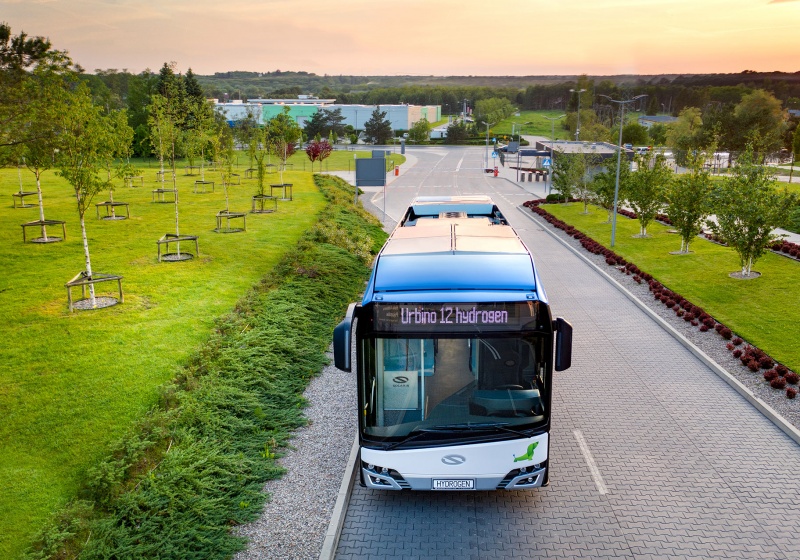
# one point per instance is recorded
(294, 521)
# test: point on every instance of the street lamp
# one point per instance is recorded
(578, 126)
(619, 157)
(552, 141)
(487, 146)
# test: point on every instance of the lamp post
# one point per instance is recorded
(487, 146)
(578, 126)
(552, 141)
(619, 157)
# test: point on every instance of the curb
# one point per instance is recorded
(721, 372)
(340, 508)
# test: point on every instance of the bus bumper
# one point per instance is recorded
(517, 479)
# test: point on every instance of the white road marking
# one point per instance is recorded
(587, 455)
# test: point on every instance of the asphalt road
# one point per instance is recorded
(652, 454)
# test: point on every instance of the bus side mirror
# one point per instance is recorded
(342, 340)
(563, 344)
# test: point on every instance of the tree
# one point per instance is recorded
(634, 133)
(260, 148)
(224, 153)
(456, 133)
(318, 150)
(325, 121)
(688, 201)
(164, 130)
(795, 151)
(647, 188)
(378, 129)
(758, 115)
(748, 207)
(657, 134)
(283, 134)
(197, 132)
(46, 92)
(582, 163)
(88, 139)
(567, 170)
(420, 132)
(684, 135)
(194, 92)
(20, 55)
(604, 184)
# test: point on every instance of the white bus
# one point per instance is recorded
(455, 349)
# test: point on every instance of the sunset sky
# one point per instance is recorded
(420, 37)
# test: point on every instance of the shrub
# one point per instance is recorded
(765, 362)
(752, 365)
(778, 383)
(791, 378)
(726, 333)
(770, 375)
(737, 353)
(781, 369)
(718, 327)
(703, 328)
(737, 341)
(791, 393)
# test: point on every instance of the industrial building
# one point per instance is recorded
(401, 117)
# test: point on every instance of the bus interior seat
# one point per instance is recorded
(499, 365)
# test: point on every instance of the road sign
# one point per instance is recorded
(494, 154)
(546, 162)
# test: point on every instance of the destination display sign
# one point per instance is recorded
(458, 317)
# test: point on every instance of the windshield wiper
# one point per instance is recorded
(414, 434)
(480, 426)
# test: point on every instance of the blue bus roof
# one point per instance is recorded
(453, 249)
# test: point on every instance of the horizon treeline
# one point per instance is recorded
(667, 94)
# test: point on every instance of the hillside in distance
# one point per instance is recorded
(244, 85)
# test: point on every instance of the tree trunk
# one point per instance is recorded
(87, 259)
(175, 194)
(41, 203)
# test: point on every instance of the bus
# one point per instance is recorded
(454, 353)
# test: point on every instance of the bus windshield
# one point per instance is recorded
(429, 384)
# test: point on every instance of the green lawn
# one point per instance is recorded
(533, 123)
(72, 383)
(764, 311)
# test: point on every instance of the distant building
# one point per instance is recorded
(401, 117)
(649, 120)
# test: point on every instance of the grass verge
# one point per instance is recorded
(71, 383)
(765, 311)
(195, 465)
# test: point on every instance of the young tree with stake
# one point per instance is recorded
(87, 142)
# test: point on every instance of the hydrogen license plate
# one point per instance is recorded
(454, 484)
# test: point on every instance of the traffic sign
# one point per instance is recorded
(494, 154)
(546, 162)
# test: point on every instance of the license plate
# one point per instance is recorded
(454, 484)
